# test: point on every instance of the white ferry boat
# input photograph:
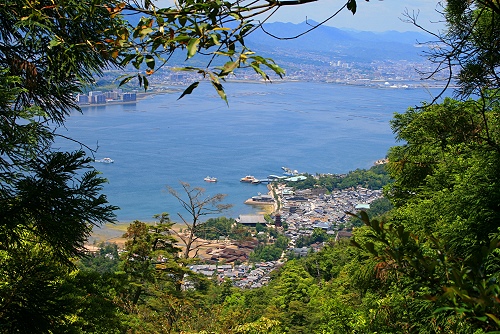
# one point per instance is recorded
(105, 160)
(210, 179)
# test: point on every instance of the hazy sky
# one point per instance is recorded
(374, 15)
(370, 16)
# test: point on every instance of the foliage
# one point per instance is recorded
(49, 200)
(260, 228)
(214, 228)
(469, 46)
(211, 30)
(446, 173)
(265, 253)
(380, 207)
(374, 178)
(318, 235)
(105, 261)
(465, 287)
(269, 252)
(430, 265)
(151, 287)
(263, 325)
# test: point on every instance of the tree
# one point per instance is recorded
(434, 273)
(445, 175)
(49, 200)
(214, 31)
(214, 228)
(105, 261)
(294, 290)
(439, 246)
(138, 259)
(150, 288)
(43, 191)
(265, 253)
(197, 206)
(468, 47)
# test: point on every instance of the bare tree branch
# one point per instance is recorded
(197, 206)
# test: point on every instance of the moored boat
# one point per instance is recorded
(210, 179)
(248, 179)
(288, 172)
(105, 160)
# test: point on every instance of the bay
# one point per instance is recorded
(160, 140)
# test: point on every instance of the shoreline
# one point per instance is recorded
(275, 203)
(142, 96)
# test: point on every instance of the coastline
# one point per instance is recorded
(202, 161)
(140, 96)
(276, 204)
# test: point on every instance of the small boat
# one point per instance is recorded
(105, 160)
(210, 179)
(248, 179)
(289, 172)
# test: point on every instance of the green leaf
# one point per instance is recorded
(127, 59)
(351, 5)
(189, 90)
(278, 70)
(220, 90)
(229, 67)
(215, 38)
(355, 243)
(443, 309)
(257, 69)
(150, 62)
(371, 248)
(144, 32)
(246, 29)
(124, 81)
(182, 20)
(138, 61)
(364, 218)
(192, 47)
(494, 318)
(54, 42)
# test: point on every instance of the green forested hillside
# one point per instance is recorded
(429, 265)
(374, 178)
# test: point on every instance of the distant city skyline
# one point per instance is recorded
(370, 16)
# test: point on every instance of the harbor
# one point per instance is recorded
(157, 142)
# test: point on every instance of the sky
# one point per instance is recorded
(374, 15)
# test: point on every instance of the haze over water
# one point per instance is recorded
(159, 141)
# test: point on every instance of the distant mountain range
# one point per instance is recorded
(323, 45)
(346, 45)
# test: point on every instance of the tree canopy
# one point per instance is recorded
(49, 200)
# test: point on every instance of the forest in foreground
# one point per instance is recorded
(428, 265)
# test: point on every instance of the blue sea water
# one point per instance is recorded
(159, 141)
